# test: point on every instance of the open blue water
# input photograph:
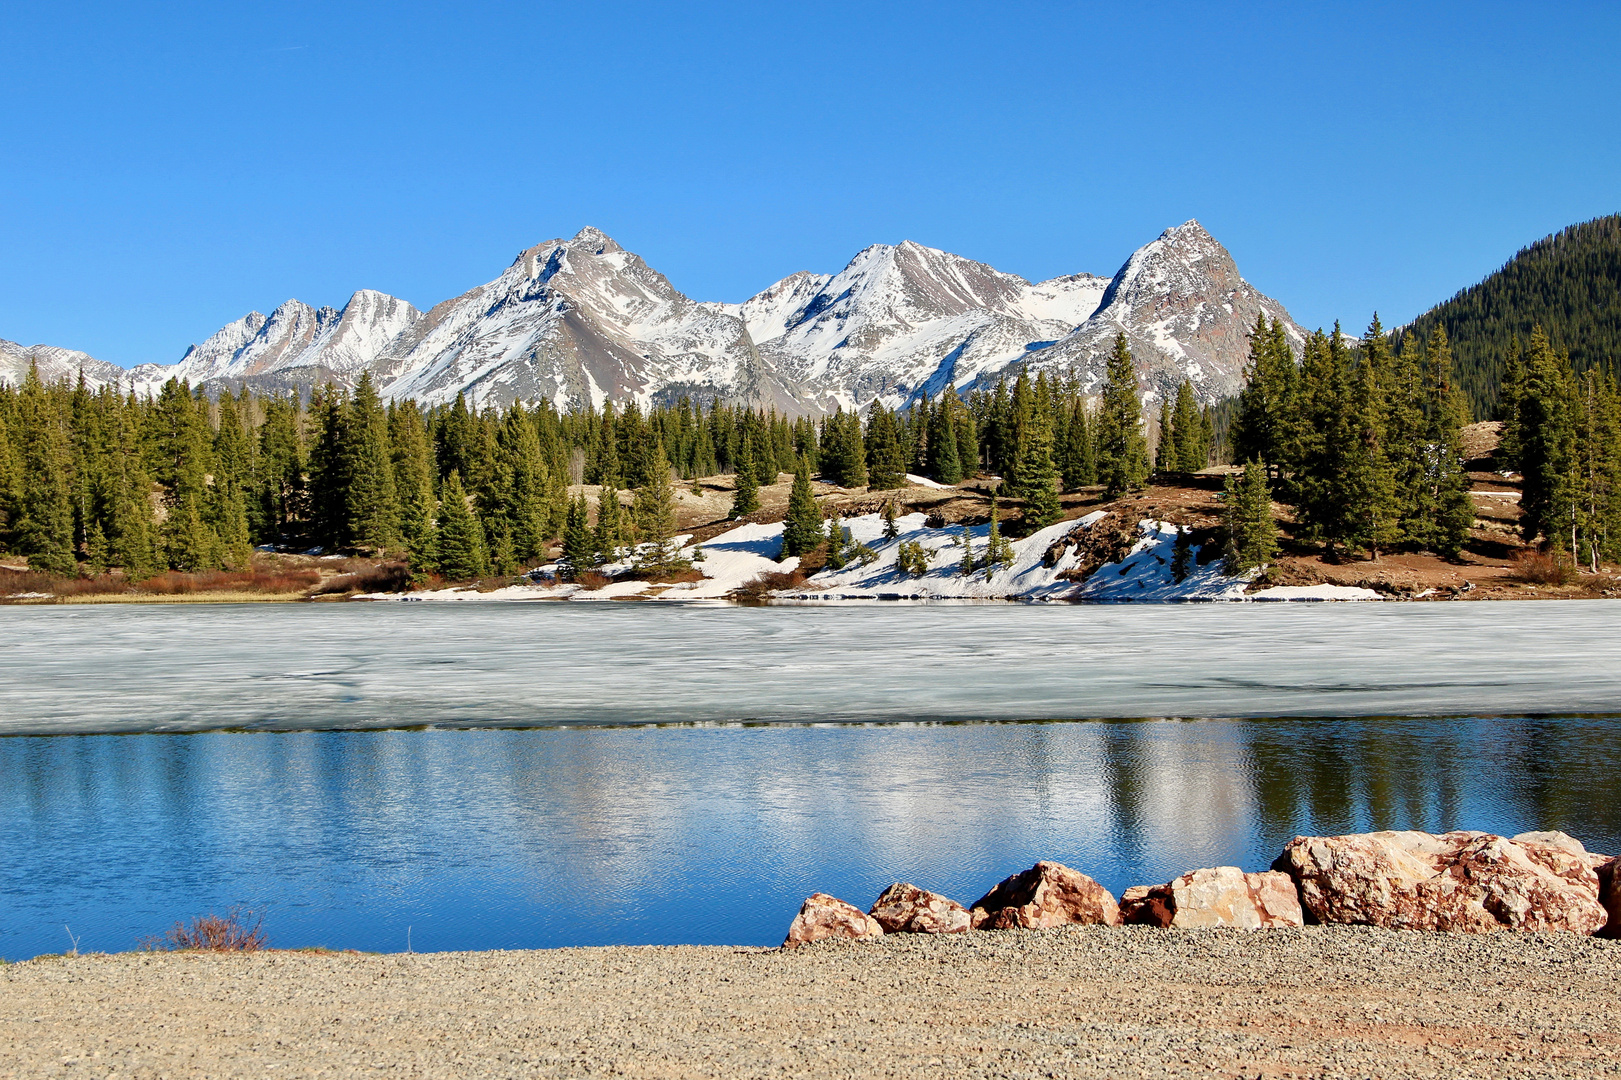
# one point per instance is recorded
(596, 828)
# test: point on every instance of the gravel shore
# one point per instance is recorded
(1084, 1002)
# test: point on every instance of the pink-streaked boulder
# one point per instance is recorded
(1048, 894)
(903, 908)
(1221, 896)
(1609, 894)
(1470, 882)
(822, 916)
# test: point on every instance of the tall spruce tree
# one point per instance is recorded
(462, 553)
(746, 493)
(579, 547)
(413, 483)
(1445, 512)
(885, 466)
(1372, 504)
(1547, 437)
(611, 533)
(1077, 463)
(654, 512)
(1252, 533)
(1264, 427)
(943, 465)
(802, 529)
(1122, 452)
(45, 518)
(1191, 443)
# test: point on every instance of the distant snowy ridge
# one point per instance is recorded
(582, 320)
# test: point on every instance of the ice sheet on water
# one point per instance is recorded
(286, 666)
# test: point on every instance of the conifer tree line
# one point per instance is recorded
(184, 482)
(1566, 283)
(1364, 440)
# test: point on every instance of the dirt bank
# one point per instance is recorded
(1081, 1002)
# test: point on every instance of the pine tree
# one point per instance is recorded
(579, 547)
(282, 465)
(1181, 555)
(609, 536)
(1078, 465)
(885, 467)
(1264, 427)
(1444, 503)
(1122, 454)
(1372, 504)
(1165, 445)
(835, 540)
(891, 526)
(966, 566)
(1509, 395)
(1033, 476)
(746, 495)
(998, 552)
(45, 518)
(1547, 435)
(1191, 443)
(654, 513)
(413, 484)
(1252, 535)
(462, 554)
(942, 447)
(802, 529)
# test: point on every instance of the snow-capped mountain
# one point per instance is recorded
(580, 320)
(1186, 313)
(55, 364)
(907, 319)
(583, 320)
(296, 347)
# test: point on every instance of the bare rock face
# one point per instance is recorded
(1609, 891)
(1469, 882)
(1223, 896)
(823, 916)
(903, 908)
(1048, 894)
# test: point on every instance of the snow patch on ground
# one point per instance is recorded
(924, 481)
(741, 555)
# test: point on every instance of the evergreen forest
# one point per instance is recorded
(1569, 284)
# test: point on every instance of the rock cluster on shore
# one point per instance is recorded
(1470, 882)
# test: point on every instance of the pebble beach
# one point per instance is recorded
(1073, 1002)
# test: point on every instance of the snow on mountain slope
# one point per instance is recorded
(54, 365)
(905, 319)
(1186, 313)
(583, 320)
(575, 321)
(296, 347)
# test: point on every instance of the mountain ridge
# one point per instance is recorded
(582, 321)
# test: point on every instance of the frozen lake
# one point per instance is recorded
(286, 666)
(467, 831)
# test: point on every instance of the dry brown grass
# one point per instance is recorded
(590, 580)
(238, 930)
(367, 578)
(1543, 568)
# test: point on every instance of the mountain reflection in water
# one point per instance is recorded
(526, 838)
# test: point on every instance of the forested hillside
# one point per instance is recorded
(1568, 283)
(91, 480)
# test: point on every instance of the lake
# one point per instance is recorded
(551, 775)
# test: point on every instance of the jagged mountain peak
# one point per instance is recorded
(581, 319)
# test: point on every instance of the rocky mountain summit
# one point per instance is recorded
(583, 320)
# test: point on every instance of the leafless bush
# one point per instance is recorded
(369, 578)
(238, 930)
(769, 582)
(1543, 568)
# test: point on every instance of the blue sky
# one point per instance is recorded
(170, 167)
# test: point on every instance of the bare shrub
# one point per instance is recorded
(368, 578)
(238, 930)
(591, 580)
(769, 582)
(1543, 568)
